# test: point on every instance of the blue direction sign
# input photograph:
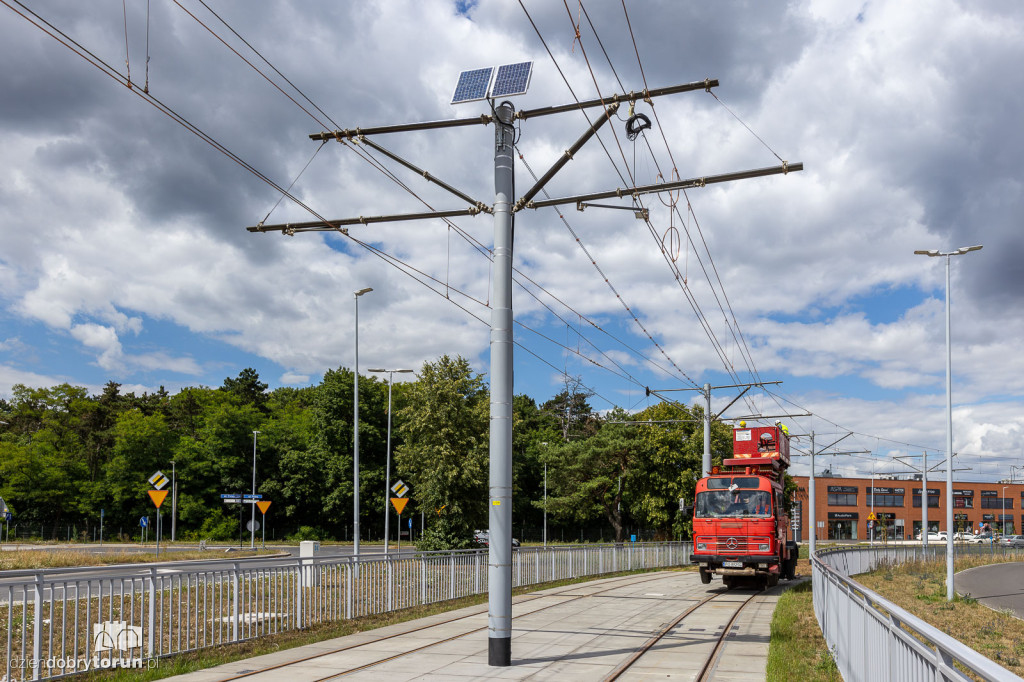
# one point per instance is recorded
(144, 522)
(8, 516)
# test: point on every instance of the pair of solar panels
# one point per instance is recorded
(490, 82)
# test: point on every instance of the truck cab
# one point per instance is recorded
(740, 527)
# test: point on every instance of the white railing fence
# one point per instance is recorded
(871, 638)
(58, 623)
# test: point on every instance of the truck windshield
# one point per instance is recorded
(717, 504)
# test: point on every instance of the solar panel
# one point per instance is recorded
(512, 79)
(472, 85)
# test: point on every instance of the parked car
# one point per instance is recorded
(962, 537)
(934, 536)
(1011, 541)
(483, 538)
(980, 537)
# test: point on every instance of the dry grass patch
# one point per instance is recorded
(920, 588)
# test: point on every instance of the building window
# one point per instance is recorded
(933, 501)
(842, 499)
(996, 503)
(887, 500)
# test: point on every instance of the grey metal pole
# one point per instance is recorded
(252, 502)
(174, 504)
(933, 253)
(924, 502)
(355, 434)
(949, 452)
(706, 463)
(812, 520)
(545, 504)
(499, 562)
(387, 478)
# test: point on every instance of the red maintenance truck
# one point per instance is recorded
(740, 525)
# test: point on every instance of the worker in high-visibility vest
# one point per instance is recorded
(783, 427)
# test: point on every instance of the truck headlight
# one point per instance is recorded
(763, 547)
(702, 546)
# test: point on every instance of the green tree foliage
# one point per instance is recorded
(444, 426)
(64, 455)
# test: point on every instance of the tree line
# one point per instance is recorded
(65, 455)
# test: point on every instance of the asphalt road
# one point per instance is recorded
(11, 588)
(997, 586)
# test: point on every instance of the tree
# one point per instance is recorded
(592, 478)
(445, 450)
(248, 388)
(572, 412)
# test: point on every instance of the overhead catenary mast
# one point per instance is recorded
(492, 85)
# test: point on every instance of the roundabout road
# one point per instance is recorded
(997, 586)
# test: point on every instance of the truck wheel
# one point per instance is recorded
(773, 579)
(705, 576)
(790, 568)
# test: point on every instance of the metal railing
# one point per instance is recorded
(58, 623)
(873, 639)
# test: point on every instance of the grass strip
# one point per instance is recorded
(797, 650)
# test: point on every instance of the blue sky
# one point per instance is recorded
(123, 253)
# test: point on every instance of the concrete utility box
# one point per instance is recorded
(308, 549)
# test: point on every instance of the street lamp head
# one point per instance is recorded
(391, 371)
(932, 252)
(363, 291)
(966, 249)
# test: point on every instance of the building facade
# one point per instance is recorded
(843, 507)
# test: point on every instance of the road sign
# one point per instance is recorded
(872, 517)
(252, 525)
(3, 506)
(158, 480)
(8, 516)
(400, 488)
(157, 496)
(144, 522)
(399, 503)
(264, 506)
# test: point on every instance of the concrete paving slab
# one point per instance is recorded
(555, 636)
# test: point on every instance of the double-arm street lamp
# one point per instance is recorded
(387, 476)
(355, 434)
(933, 253)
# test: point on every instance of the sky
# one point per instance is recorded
(124, 201)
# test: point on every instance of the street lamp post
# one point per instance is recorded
(1002, 519)
(545, 499)
(933, 253)
(355, 434)
(387, 476)
(252, 522)
(174, 503)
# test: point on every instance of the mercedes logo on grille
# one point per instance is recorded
(731, 543)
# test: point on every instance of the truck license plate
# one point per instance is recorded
(732, 564)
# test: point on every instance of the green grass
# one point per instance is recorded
(797, 650)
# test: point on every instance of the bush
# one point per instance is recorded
(304, 533)
(438, 538)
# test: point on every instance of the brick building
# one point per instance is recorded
(842, 507)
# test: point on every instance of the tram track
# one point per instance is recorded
(707, 669)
